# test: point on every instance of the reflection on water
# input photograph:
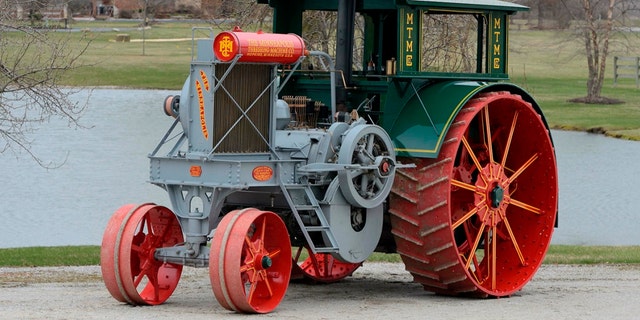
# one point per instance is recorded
(106, 167)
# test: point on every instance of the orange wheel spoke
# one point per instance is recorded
(508, 146)
(524, 206)
(513, 238)
(153, 281)
(465, 186)
(487, 126)
(136, 248)
(475, 246)
(314, 263)
(253, 287)
(473, 157)
(251, 248)
(465, 217)
(138, 278)
(263, 230)
(274, 253)
(494, 255)
(523, 168)
(267, 283)
(246, 267)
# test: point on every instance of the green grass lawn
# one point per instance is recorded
(137, 64)
(90, 255)
(50, 256)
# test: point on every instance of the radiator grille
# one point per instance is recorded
(244, 84)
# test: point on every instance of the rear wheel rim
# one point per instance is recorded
(494, 201)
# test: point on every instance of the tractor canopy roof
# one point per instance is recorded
(436, 5)
(484, 5)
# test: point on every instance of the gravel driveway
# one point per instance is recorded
(376, 291)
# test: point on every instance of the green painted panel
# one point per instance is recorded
(417, 123)
(497, 43)
(409, 40)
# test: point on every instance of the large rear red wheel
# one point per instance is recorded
(129, 270)
(320, 267)
(250, 261)
(478, 219)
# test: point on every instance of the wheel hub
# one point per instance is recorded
(266, 262)
(493, 189)
(496, 196)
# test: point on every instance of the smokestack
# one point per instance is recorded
(344, 50)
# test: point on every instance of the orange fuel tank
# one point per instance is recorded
(259, 47)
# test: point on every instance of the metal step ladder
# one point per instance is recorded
(301, 198)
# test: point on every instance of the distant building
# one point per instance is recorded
(34, 10)
(103, 9)
(135, 8)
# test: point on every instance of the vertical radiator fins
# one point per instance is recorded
(243, 85)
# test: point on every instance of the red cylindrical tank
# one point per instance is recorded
(259, 47)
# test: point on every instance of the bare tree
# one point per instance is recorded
(246, 14)
(32, 64)
(449, 43)
(597, 32)
(320, 30)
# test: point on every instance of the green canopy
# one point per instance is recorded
(469, 5)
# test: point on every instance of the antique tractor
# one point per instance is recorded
(283, 162)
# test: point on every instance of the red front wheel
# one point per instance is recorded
(129, 270)
(250, 261)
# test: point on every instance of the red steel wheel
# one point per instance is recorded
(250, 262)
(478, 219)
(108, 260)
(129, 270)
(321, 267)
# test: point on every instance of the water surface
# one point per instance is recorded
(106, 166)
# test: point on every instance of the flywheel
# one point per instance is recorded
(368, 146)
(478, 219)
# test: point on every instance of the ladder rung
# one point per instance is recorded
(295, 186)
(327, 249)
(306, 207)
(310, 203)
(317, 228)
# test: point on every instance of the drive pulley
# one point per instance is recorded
(368, 182)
